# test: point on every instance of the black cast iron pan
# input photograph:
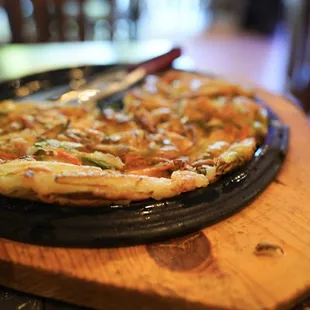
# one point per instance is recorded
(139, 222)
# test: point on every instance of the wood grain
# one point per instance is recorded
(217, 268)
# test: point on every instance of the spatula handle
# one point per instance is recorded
(158, 63)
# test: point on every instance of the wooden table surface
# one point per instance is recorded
(216, 268)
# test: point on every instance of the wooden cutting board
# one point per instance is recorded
(256, 259)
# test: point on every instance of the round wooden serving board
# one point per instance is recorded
(256, 259)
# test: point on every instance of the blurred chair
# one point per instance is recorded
(298, 82)
(263, 16)
(52, 21)
(227, 9)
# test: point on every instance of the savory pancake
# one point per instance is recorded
(177, 132)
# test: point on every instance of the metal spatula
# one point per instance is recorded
(108, 84)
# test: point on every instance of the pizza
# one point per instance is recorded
(176, 132)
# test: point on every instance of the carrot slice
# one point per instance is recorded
(244, 133)
(157, 170)
(72, 159)
(5, 155)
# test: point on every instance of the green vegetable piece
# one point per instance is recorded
(104, 161)
(96, 163)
